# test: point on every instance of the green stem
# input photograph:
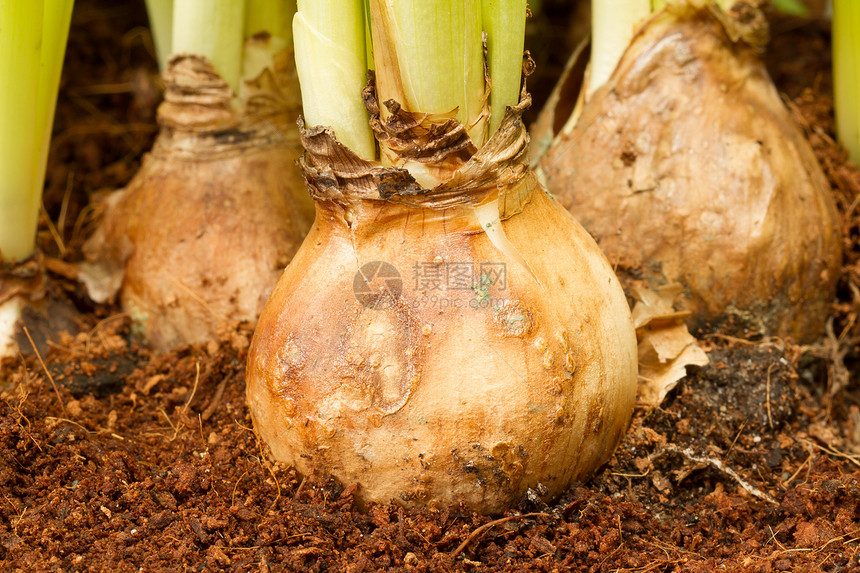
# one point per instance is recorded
(505, 24)
(213, 29)
(330, 59)
(422, 49)
(272, 16)
(20, 49)
(161, 27)
(846, 74)
(368, 36)
(268, 34)
(32, 43)
(55, 36)
(613, 24)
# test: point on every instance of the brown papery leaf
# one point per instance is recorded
(666, 347)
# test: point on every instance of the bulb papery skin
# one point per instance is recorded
(687, 167)
(403, 351)
(203, 231)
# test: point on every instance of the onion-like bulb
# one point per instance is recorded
(686, 167)
(218, 208)
(432, 360)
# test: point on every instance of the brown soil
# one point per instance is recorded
(115, 458)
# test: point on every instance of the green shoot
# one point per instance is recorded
(331, 61)
(368, 36)
(272, 16)
(846, 74)
(20, 53)
(55, 35)
(613, 24)
(268, 32)
(161, 27)
(213, 29)
(33, 39)
(505, 24)
(429, 57)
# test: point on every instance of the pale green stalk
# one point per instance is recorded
(161, 27)
(505, 24)
(657, 5)
(368, 36)
(272, 16)
(275, 18)
(55, 36)
(20, 50)
(33, 38)
(429, 57)
(214, 29)
(846, 74)
(613, 24)
(330, 48)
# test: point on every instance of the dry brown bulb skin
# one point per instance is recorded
(441, 396)
(687, 167)
(201, 234)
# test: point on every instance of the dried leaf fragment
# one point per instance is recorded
(666, 347)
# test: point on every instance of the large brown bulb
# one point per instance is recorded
(201, 234)
(686, 167)
(409, 351)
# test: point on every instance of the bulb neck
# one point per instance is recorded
(200, 119)
(355, 189)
